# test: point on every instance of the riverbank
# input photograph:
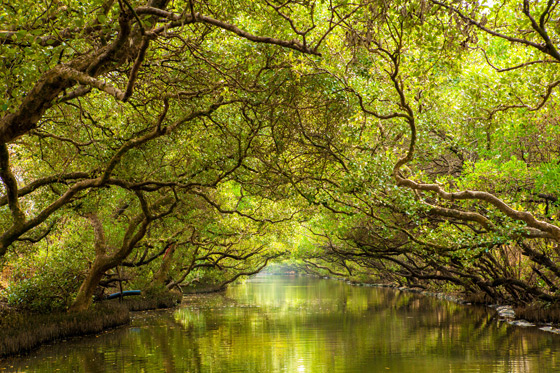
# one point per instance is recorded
(21, 332)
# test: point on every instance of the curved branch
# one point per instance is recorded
(324, 268)
(248, 273)
(77, 144)
(488, 30)
(502, 206)
(291, 44)
(544, 100)
(67, 73)
(522, 65)
(529, 219)
(522, 216)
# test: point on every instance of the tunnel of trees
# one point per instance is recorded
(171, 143)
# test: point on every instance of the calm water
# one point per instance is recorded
(282, 324)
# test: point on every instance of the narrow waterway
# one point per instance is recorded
(300, 324)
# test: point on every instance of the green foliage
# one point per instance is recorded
(233, 149)
(49, 287)
(496, 175)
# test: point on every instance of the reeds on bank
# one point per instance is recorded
(161, 300)
(21, 332)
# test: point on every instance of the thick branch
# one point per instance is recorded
(10, 184)
(67, 73)
(99, 235)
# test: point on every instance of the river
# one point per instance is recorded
(301, 324)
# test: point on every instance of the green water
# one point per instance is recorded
(283, 324)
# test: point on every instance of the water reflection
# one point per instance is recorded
(273, 324)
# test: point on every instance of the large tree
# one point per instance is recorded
(118, 113)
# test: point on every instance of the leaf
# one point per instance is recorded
(102, 18)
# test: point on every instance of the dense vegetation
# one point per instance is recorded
(159, 144)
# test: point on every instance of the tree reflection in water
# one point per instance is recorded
(277, 324)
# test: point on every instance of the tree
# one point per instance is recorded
(168, 70)
(398, 68)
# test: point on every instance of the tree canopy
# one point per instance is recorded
(167, 143)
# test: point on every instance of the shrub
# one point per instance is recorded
(45, 282)
(49, 289)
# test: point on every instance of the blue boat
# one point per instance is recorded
(124, 294)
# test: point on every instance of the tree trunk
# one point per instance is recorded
(160, 277)
(84, 297)
(103, 262)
